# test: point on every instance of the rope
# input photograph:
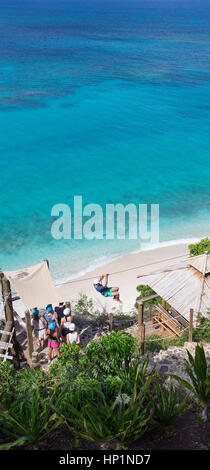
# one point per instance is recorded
(161, 338)
(123, 270)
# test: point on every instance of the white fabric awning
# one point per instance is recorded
(35, 286)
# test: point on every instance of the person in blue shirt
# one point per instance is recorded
(104, 290)
(49, 315)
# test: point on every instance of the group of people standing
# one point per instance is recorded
(56, 324)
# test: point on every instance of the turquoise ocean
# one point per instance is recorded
(108, 100)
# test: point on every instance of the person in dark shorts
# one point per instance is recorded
(59, 312)
(106, 291)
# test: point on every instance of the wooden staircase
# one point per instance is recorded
(170, 321)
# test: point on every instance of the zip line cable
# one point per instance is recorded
(123, 270)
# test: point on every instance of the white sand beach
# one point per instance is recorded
(123, 273)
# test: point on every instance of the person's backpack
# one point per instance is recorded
(48, 318)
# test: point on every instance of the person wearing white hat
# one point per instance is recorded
(67, 312)
(103, 289)
(65, 323)
(73, 336)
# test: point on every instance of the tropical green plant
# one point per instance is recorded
(21, 385)
(167, 406)
(118, 315)
(108, 355)
(112, 386)
(6, 374)
(75, 392)
(69, 353)
(85, 306)
(146, 291)
(200, 247)
(207, 447)
(155, 343)
(124, 419)
(199, 374)
(112, 408)
(136, 376)
(67, 366)
(202, 331)
(28, 423)
(199, 334)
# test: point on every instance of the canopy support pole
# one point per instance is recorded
(9, 315)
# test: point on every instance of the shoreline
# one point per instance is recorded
(98, 263)
(123, 273)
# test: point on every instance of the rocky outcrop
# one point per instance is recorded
(171, 361)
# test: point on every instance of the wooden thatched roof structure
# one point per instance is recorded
(184, 286)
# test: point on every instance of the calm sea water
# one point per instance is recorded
(105, 99)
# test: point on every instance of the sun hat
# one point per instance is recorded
(72, 327)
(67, 312)
(49, 308)
(52, 325)
(96, 282)
(35, 312)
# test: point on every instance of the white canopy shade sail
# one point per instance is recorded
(35, 286)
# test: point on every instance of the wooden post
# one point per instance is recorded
(141, 325)
(150, 312)
(9, 315)
(140, 313)
(142, 338)
(29, 333)
(7, 296)
(164, 303)
(191, 325)
(110, 321)
(1, 278)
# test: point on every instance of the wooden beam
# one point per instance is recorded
(163, 303)
(142, 338)
(203, 280)
(7, 296)
(163, 317)
(29, 333)
(1, 278)
(140, 312)
(150, 312)
(149, 297)
(191, 326)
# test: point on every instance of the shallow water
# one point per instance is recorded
(107, 100)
